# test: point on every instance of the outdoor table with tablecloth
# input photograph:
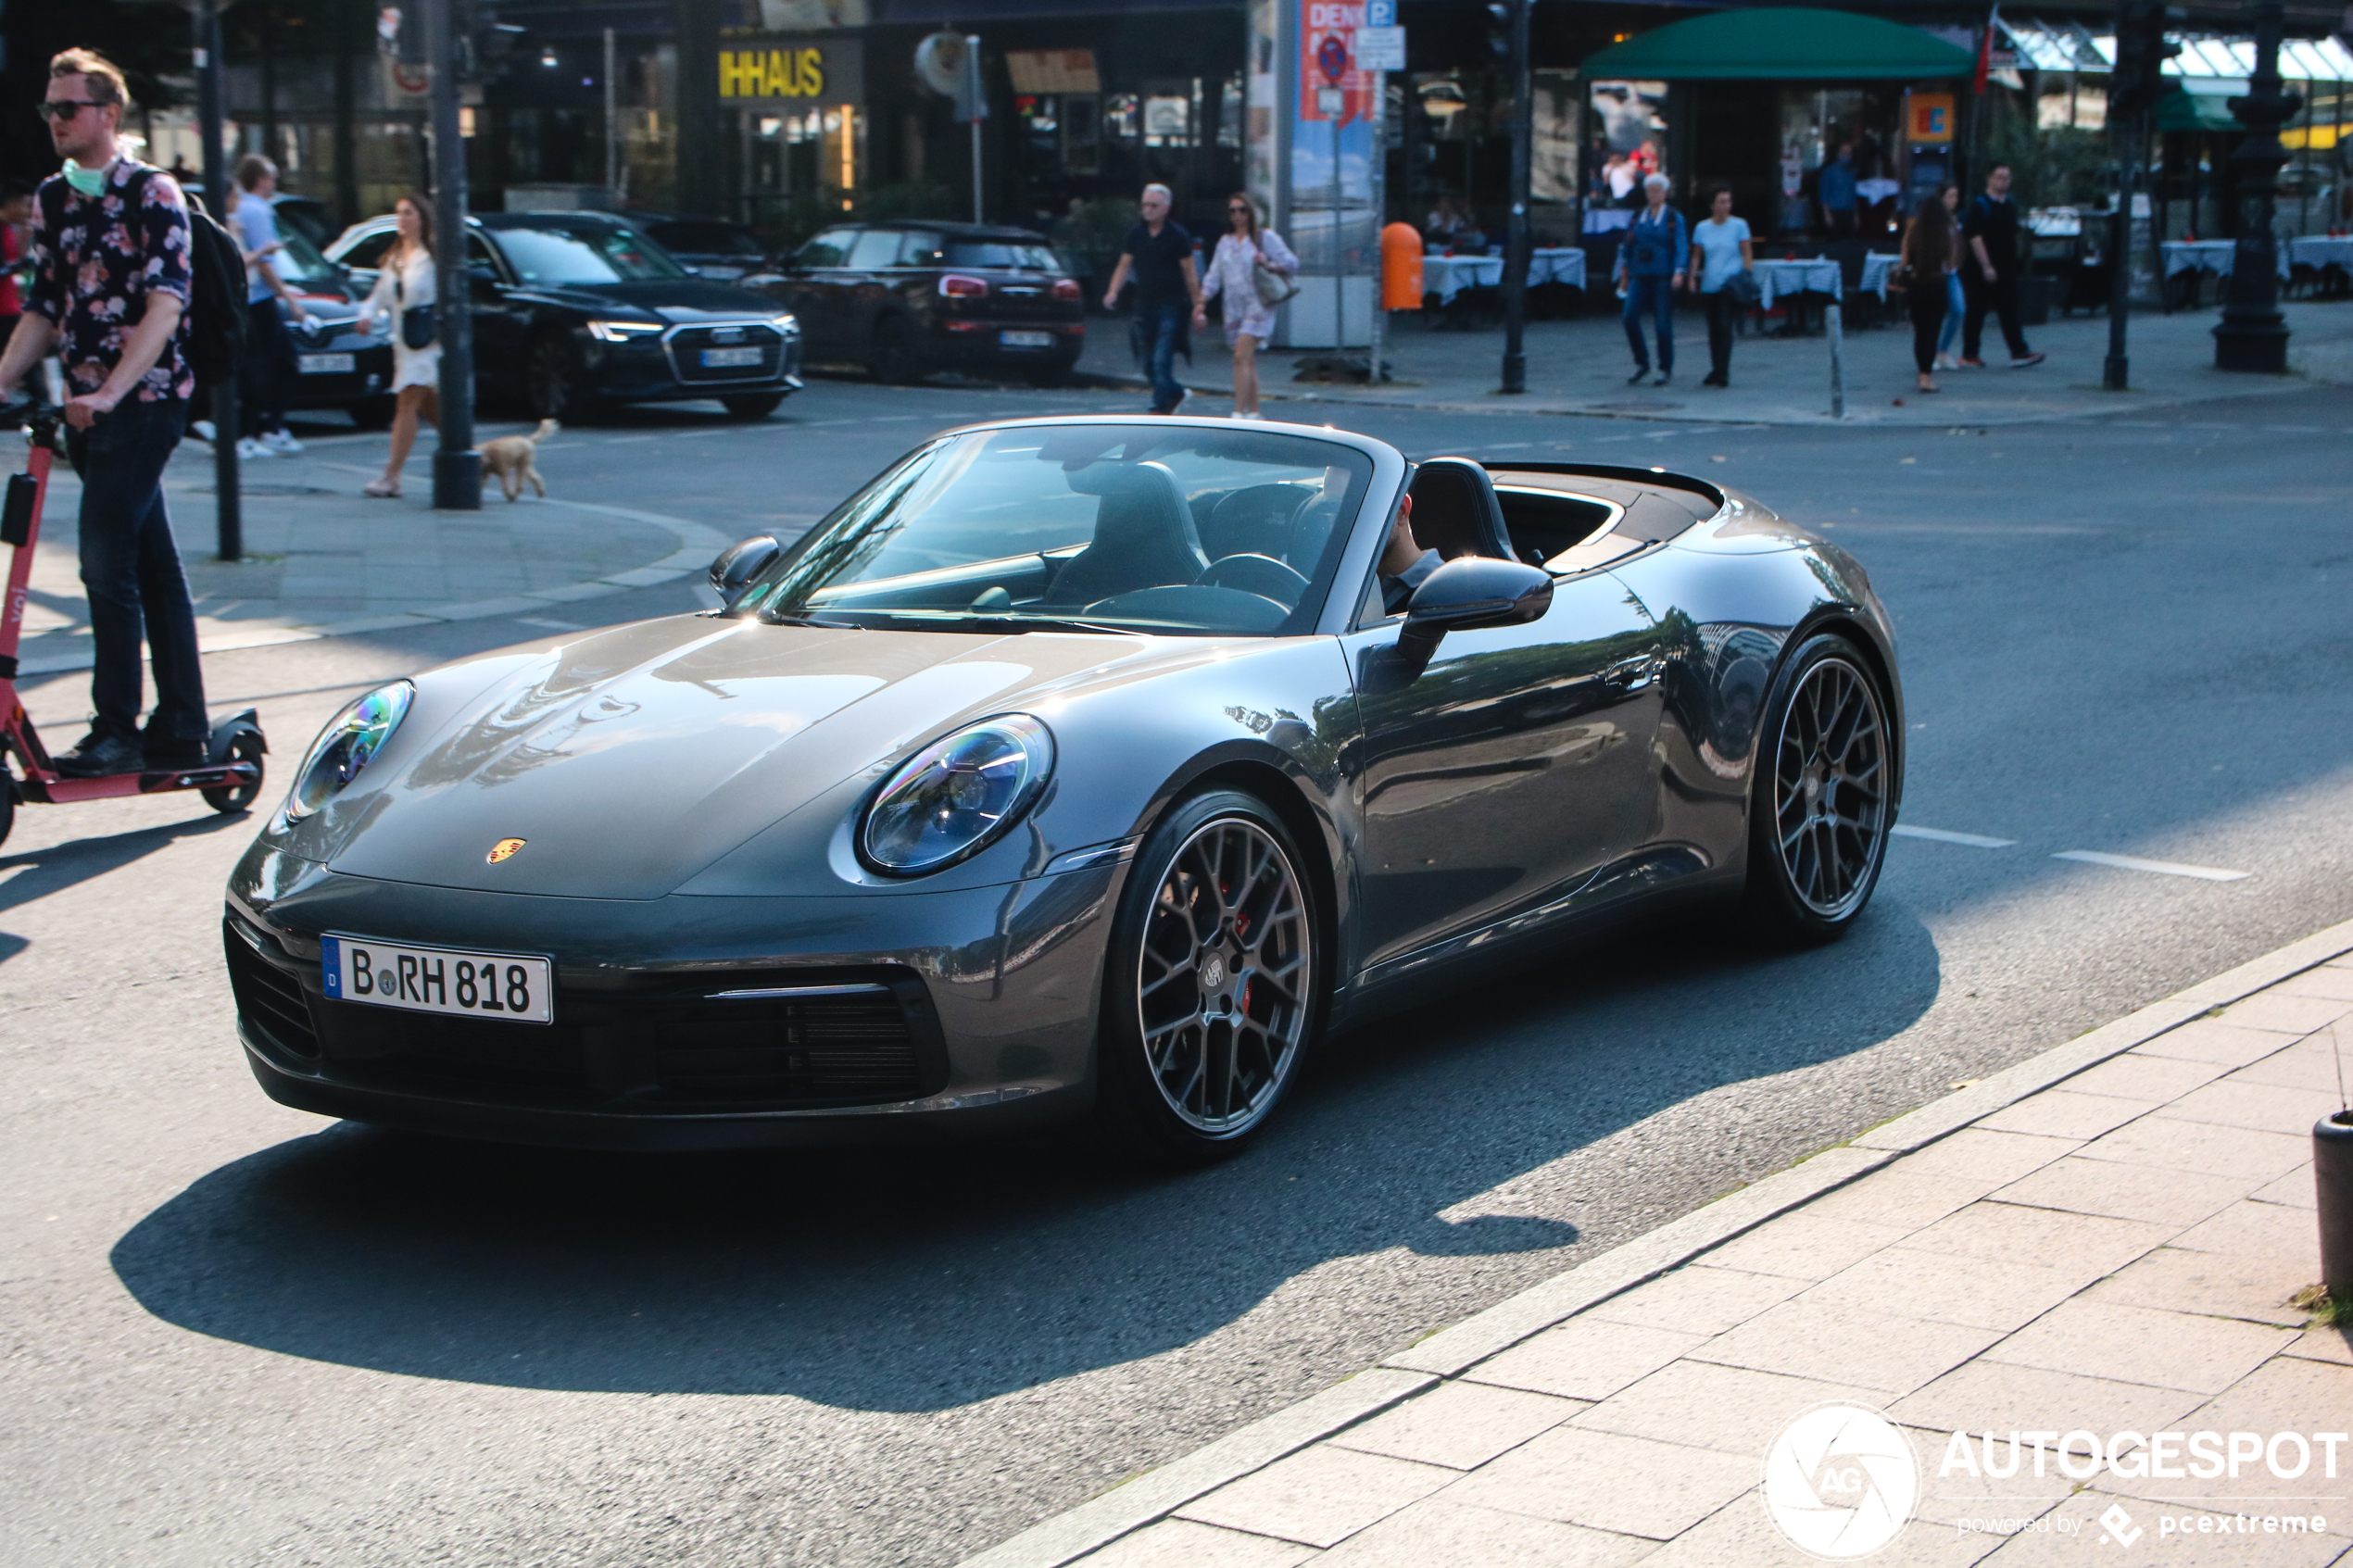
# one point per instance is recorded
(2207, 255)
(1879, 266)
(1447, 276)
(1775, 278)
(2317, 251)
(1604, 219)
(1561, 264)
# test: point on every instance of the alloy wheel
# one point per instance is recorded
(1829, 798)
(1225, 976)
(548, 379)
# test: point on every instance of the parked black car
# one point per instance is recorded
(344, 361)
(723, 252)
(906, 299)
(575, 309)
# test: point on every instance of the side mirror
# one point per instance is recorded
(1471, 591)
(738, 564)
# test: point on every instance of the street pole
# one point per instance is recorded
(456, 471)
(2253, 333)
(1380, 223)
(612, 126)
(977, 110)
(228, 503)
(2116, 371)
(1516, 256)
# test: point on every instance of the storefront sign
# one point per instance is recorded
(1040, 71)
(761, 71)
(1332, 83)
(1931, 119)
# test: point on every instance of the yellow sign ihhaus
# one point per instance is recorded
(772, 73)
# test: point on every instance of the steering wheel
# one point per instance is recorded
(1257, 518)
(1263, 575)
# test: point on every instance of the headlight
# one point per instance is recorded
(787, 324)
(623, 331)
(954, 798)
(350, 740)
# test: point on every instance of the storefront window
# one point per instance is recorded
(1121, 113)
(1632, 141)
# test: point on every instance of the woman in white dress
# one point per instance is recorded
(405, 279)
(1233, 272)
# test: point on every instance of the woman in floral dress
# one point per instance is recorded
(1233, 273)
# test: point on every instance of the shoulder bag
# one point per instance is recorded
(418, 326)
(1271, 286)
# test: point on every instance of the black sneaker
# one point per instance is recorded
(1639, 377)
(164, 754)
(99, 755)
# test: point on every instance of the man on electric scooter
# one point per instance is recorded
(111, 277)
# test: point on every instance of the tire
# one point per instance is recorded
(231, 799)
(375, 413)
(892, 358)
(552, 382)
(1818, 808)
(1045, 376)
(752, 404)
(1174, 990)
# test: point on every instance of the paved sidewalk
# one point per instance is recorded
(2114, 1251)
(1580, 367)
(324, 560)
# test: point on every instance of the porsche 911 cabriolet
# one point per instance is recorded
(1072, 770)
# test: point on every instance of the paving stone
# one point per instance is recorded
(2083, 1540)
(2295, 1190)
(2328, 982)
(2291, 1394)
(2294, 1015)
(1318, 1496)
(2125, 1191)
(1697, 1299)
(1969, 1491)
(1949, 1287)
(1893, 1355)
(1995, 1397)
(1741, 1534)
(2142, 1345)
(2216, 1284)
(1899, 1195)
(2237, 1103)
(2059, 1113)
(1460, 1425)
(1606, 1481)
(1804, 1245)
(2085, 1245)
(2308, 1064)
(1438, 1534)
(1975, 1154)
(1180, 1543)
(2171, 1144)
(2325, 1345)
(2135, 1077)
(1584, 1357)
(2274, 1231)
(1717, 1407)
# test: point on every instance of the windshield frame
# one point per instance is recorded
(1327, 610)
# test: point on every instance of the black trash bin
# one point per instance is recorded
(2034, 294)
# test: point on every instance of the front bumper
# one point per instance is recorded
(884, 1017)
(651, 370)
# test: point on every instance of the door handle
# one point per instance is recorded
(1630, 674)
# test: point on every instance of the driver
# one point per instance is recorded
(1403, 564)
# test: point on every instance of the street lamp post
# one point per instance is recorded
(1516, 242)
(2253, 333)
(227, 502)
(456, 470)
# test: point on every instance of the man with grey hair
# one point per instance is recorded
(1158, 253)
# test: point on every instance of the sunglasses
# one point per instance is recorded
(66, 108)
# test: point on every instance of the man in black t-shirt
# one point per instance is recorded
(1158, 255)
(1988, 272)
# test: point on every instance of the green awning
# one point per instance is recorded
(1792, 43)
(2182, 110)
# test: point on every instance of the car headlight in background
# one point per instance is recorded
(788, 324)
(625, 332)
(350, 740)
(954, 798)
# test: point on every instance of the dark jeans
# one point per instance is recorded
(130, 569)
(1158, 327)
(1927, 305)
(265, 376)
(1655, 297)
(2000, 296)
(1723, 311)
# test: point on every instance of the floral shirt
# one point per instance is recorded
(95, 259)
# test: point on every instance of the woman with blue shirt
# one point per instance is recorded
(1651, 264)
(1720, 251)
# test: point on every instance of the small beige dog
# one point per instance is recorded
(509, 460)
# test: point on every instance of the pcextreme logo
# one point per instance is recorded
(1840, 1481)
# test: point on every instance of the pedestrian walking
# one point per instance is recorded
(1651, 265)
(1989, 278)
(16, 218)
(111, 279)
(1721, 252)
(1835, 190)
(1955, 302)
(1247, 253)
(1158, 253)
(405, 290)
(1926, 264)
(266, 373)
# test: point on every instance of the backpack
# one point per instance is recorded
(212, 328)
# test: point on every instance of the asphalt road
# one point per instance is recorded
(232, 1333)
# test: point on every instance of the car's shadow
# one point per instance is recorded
(918, 1281)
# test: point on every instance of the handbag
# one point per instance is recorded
(1271, 286)
(417, 323)
(1744, 288)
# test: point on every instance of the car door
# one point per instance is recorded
(873, 274)
(1500, 777)
(500, 324)
(817, 286)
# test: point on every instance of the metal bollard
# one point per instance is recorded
(2333, 1184)
(1835, 323)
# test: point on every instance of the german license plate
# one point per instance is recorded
(513, 986)
(728, 358)
(1027, 340)
(326, 364)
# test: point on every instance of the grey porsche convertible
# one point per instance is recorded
(1072, 770)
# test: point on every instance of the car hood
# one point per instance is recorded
(677, 300)
(629, 760)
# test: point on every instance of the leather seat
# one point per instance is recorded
(1144, 535)
(1455, 510)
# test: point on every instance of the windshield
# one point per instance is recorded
(298, 261)
(605, 254)
(1135, 528)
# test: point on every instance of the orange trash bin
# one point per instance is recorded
(1401, 267)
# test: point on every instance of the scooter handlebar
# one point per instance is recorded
(37, 416)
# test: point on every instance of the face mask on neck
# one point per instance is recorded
(89, 182)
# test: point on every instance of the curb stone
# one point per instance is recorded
(1158, 1493)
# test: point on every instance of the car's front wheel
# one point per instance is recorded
(752, 404)
(892, 357)
(1215, 985)
(553, 385)
(1820, 804)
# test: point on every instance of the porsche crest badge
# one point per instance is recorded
(503, 850)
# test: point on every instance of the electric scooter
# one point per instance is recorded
(231, 777)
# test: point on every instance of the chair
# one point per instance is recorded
(1144, 535)
(1456, 511)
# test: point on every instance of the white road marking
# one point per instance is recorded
(2161, 868)
(1509, 446)
(1974, 840)
(551, 625)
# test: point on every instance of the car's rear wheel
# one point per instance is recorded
(1819, 807)
(1215, 984)
(553, 385)
(891, 356)
(752, 404)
